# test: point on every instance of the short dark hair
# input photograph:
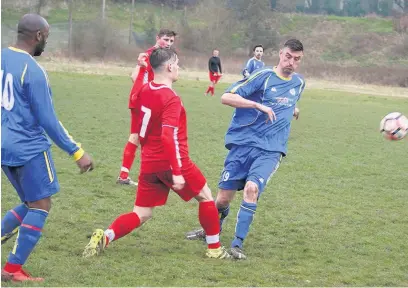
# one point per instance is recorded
(294, 45)
(166, 32)
(258, 46)
(160, 56)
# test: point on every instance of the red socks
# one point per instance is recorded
(208, 216)
(210, 89)
(122, 226)
(128, 157)
(12, 268)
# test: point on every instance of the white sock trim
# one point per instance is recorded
(212, 239)
(110, 234)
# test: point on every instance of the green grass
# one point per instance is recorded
(335, 214)
(367, 24)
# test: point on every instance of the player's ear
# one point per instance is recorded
(38, 36)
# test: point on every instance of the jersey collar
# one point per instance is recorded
(279, 76)
(18, 50)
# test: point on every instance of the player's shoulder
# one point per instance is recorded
(299, 78)
(164, 90)
(262, 72)
(150, 50)
(16, 56)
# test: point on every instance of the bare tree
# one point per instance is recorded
(41, 5)
(132, 13)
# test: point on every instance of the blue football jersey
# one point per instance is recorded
(27, 112)
(248, 126)
(252, 65)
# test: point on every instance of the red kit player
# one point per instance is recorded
(142, 74)
(214, 71)
(162, 129)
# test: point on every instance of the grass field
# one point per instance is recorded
(335, 214)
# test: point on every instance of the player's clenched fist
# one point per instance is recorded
(85, 163)
(296, 113)
(178, 182)
(141, 59)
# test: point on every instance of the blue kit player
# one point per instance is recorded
(257, 137)
(27, 115)
(255, 62)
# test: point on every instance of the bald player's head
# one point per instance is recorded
(33, 30)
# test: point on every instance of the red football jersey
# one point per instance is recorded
(145, 75)
(160, 106)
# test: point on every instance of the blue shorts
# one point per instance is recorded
(248, 164)
(36, 179)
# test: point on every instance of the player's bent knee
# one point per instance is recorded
(205, 194)
(43, 204)
(144, 213)
(251, 192)
(224, 197)
(134, 138)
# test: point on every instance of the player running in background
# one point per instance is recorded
(257, 137)
(215, 71)
(166, 163)
(142, 74)
(255, 62)
(27, 115)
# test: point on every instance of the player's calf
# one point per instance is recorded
(245, 216)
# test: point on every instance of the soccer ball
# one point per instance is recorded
(394, 126)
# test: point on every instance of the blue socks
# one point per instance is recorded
(13, 219)
(245, 216)
(28, 235)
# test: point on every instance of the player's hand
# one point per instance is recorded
(141, 59)
(296, 113)
(85, 163)
(246, 74)
(178, 182)
(267, 110)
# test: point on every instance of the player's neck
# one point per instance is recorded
(24, 46)
(159, 79)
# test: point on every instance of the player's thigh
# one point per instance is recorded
(195, 182)
(12, 176)
(236, 168)
(134, 118)
(153, 189)
(38, 177)
(263, 168)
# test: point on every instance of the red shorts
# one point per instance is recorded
(134, 119)
(153, 188)
(214, 78)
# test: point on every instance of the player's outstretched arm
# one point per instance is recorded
(41, 104)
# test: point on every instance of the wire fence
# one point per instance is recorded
(70, 17)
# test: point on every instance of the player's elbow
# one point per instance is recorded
(167, 135)
(226, 98)
(133, 77)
